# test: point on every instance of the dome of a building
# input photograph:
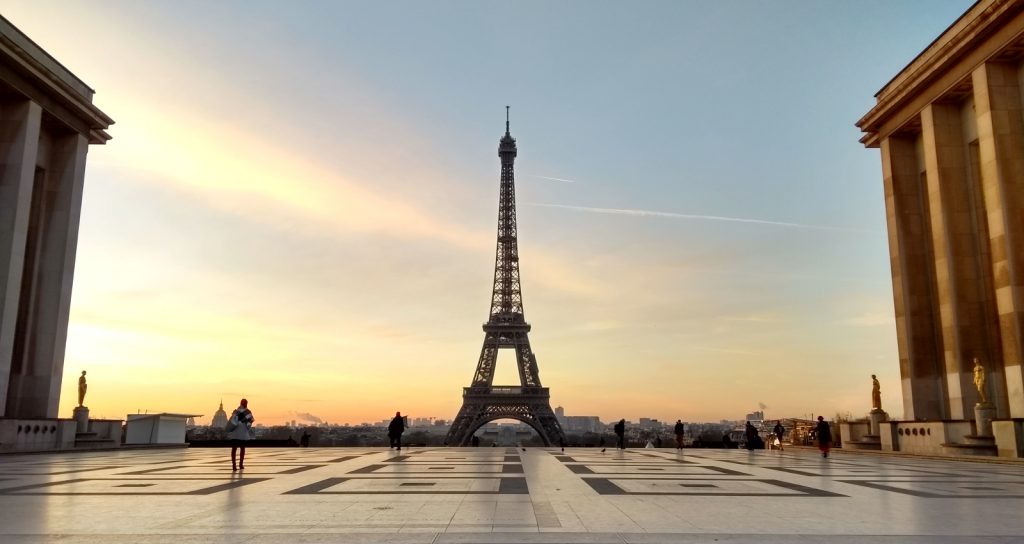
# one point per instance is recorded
(220, 418)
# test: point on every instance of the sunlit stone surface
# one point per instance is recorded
(505, 495)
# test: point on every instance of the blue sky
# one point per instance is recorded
(308, 192)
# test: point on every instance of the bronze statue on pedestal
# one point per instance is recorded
(82, 388)
(979, 381)
(876, 394)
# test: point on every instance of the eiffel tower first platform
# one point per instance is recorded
(506, 328)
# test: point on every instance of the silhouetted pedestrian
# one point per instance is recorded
(620, 433)
(395, 430)
(752, 437)
(779, 430)
(561, 443)
(240, 432)
(304, 440)
(727, 442)
(475, 441)
(824, 435)
(657, 441)
(679, 430)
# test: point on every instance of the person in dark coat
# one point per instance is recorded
(824, 434)
(680, 430)
(395, 430)
(620, 432)
(240, 432)
(779, 430)
(752, 437)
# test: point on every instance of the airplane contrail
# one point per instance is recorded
(650, 213)
(556, 179)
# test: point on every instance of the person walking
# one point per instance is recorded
(620, 432)
(395, 430)
(752, 437)
(824, 434)
(679, 430)
(779, 430)
(240, 432)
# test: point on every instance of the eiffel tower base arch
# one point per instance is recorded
(481, 405)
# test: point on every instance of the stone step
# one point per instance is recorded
(867, 442)
(85, 441)
(976, 440)
(961, 448)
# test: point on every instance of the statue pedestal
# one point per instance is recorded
(877, 416)
(81, 416)
(984, 413)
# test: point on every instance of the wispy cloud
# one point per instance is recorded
(673, 215)
(752, 318)
(871, 320)
(564, 180)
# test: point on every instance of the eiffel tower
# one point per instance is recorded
(506, 328)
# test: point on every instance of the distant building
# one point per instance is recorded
(577, 424)
(755, 416)
(583, 424)
(560, 416)
(220, 418)
(650, 424)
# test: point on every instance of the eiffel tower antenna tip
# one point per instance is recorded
(506, 117)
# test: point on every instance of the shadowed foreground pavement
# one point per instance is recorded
(467, 495)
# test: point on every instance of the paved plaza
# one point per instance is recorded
(504, 495)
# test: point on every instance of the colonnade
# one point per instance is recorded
(954, 197)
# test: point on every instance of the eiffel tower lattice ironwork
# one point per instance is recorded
(506, 328)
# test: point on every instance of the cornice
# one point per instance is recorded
(40, 77)
(943, 57)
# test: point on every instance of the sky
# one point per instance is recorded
(299, 203)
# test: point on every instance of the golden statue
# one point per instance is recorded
(82, 387)
(979, 381)
(876, 394)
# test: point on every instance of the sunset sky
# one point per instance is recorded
(299, 203)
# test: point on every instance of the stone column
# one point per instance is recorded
(48, 289)
(19, 146)
(959, 280)
(1000, 140)
(912, 280)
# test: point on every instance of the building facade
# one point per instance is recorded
(950, 127)
(47, 122)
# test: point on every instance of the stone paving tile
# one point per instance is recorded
(465, 495)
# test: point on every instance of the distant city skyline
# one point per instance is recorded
(298, 204)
